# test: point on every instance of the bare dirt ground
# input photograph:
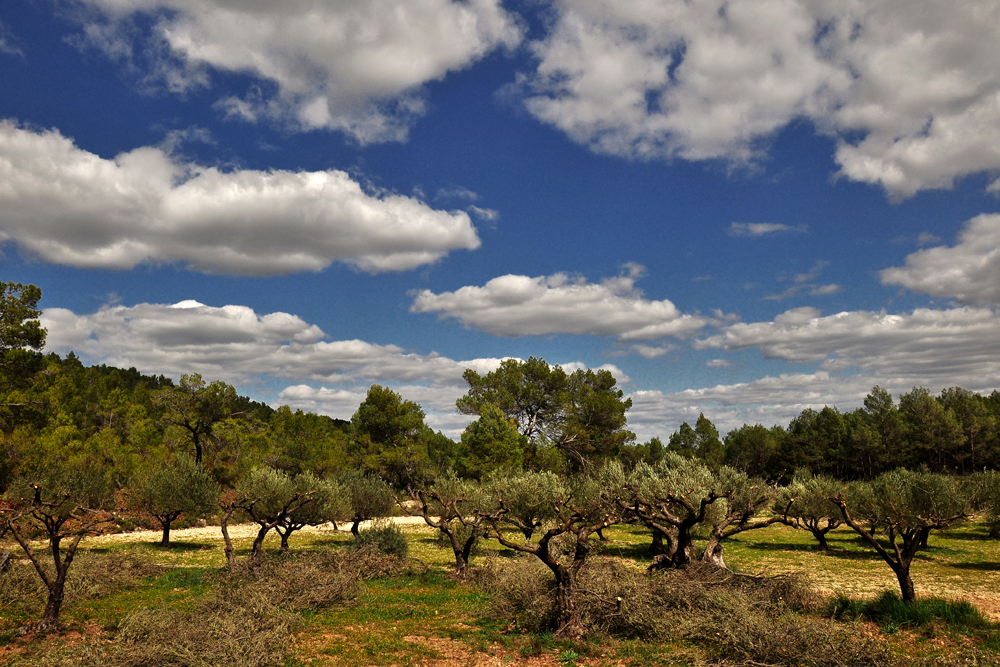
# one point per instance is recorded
(236, 531)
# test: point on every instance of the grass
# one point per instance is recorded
(427, 617)
(890, 612)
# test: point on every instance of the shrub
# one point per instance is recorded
(889, 611)
(308, 580)
(385, 537)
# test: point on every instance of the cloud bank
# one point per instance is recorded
(515, 305)
(910, 90)
(247, 349)
(358, 66)
(67, 206)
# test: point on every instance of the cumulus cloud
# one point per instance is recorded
(969, 271)
(247, 349)
(911, 91)
(237, 344)
(927, 347)
(354, 65)
(757, 229)
(515, 305)
(68, 206)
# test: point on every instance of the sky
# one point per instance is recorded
(743, 208)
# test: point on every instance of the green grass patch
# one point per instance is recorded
(892, 613)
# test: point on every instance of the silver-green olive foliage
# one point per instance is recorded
(273, 499)
(806, 500)
(680, 498)
(529, 498)
(66, 501)
(582, 505)
(458, 509)
(368, 495)
(166, 490)
(904, 506)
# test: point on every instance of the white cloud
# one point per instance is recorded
(67, 206)
(236, 344)
(757, 229)
(719, 363)
(353, 65)
(968, 271)
(911, 90)
(7, 41)
(926, 238)
(803, 282)
(239, 346)
(927, 347)
(515, 305)
(813, 273)
(768, 401)
(487, 214)
(652, 351)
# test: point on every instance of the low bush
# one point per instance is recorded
(385, 537)
(889, 611)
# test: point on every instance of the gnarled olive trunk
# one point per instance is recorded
(224, 524)
(165, 522)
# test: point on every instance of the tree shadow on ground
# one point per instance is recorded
(632, 550)
(782, 546)
(983, 565)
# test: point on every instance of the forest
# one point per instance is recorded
(547, 532)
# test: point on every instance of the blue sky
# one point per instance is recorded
(743, 208)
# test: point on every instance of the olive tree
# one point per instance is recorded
(903, 506)
(582, 506)
(370, 497)
(171, 489)
(328, 503)
(807, 498)
(269, 497)
(457, 508)
(527, 499)
(66, 502)
(679, 495)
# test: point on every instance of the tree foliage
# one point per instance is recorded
(176, 487)
(580, 416)
(66, 502)
(387, 434)
(903, 507)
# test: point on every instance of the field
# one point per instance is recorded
(418, 615)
